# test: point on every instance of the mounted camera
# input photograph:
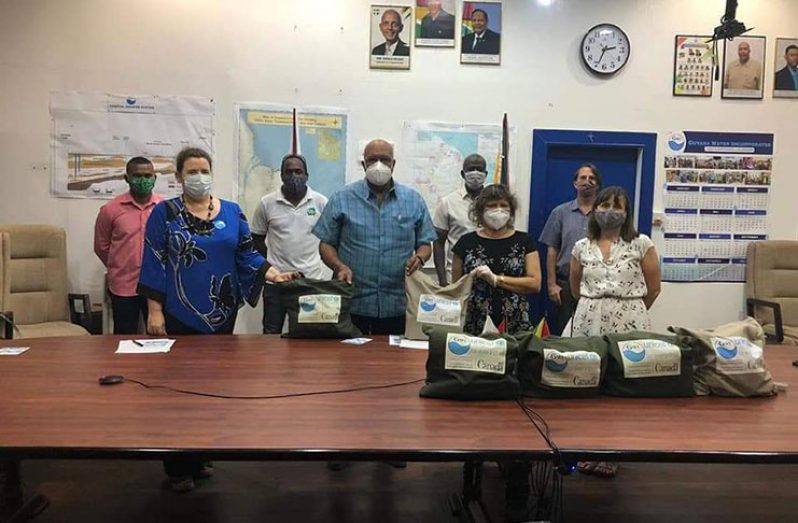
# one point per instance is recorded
(729, 27)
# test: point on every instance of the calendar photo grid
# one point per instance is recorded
(715, 205)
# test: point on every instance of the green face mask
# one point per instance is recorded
(140, 185)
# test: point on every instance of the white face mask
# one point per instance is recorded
(496, 219)
(378, 174)
(475, 179)
(198, 185)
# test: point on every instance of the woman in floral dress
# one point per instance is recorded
(614, 271)
(616, 278)
(504, 261)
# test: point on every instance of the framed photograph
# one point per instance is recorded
(481, 30)
(435, 23)
(692, 66)
(744, 68)
(785, 76)
(391, 26)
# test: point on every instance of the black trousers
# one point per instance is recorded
(565, 311)
(371, 326)
(189, 464)
(126, 312)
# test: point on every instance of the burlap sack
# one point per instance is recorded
(729, 360)
(430, 304)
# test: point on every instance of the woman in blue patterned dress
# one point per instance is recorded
(198, 267)
(503, 260)
(199, 264)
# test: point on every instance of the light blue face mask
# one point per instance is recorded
(198, 185)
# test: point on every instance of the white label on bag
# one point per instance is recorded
(319, 308)
(435, 310)
(650, 358)
(578, 369)
(737, 355)
(475, 354)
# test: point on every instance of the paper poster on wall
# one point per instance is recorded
(693, 66)
(431, 155)
(717, 194)
(264, 137)
(95, 134)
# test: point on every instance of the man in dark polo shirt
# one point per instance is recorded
(567, 224)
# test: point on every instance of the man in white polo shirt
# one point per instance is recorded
(451, 219)
(281, 232)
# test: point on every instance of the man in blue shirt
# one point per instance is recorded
(787, 78)
(373, 232)
(567, 224)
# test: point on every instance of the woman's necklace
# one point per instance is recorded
(210, 207)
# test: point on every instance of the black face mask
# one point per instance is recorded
(295, 185)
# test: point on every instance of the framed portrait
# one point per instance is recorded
(435, 23)
(391, 26)
(744, 68)
(785, 72)
(692, 66)
(481, 28)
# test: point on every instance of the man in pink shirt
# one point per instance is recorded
(119, 243)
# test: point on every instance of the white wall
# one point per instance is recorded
(315, 52)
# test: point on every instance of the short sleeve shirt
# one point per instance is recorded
(744, 76)
(566, 226)
(290, 245)
(505, 256)
(375, 241)
(452, 215)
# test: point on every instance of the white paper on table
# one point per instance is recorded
(356, 341)
(414, 344)
(394, 340)
(148, 346)
(12, 351)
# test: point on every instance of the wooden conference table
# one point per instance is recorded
(53, 407)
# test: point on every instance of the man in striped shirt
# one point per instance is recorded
(373, 232)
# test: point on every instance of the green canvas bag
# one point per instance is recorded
(561, 367)
(464, 367)
(318, 308)
(645, 364)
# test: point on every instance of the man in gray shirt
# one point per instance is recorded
(567, 224)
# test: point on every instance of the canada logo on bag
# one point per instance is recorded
(319, 308)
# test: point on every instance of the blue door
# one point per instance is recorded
(625, 159)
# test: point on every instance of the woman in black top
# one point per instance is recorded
(504, 261)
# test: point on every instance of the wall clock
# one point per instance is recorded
(605, 49)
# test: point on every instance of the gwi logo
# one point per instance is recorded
(459, 345)
(556, 363)
(130, 100)
(308, 306)
(726, 349)
(427, 304)
(676, 142)
(635, 355)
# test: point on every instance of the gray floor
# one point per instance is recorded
(125, 491)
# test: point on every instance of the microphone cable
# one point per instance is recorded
(265, 397)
